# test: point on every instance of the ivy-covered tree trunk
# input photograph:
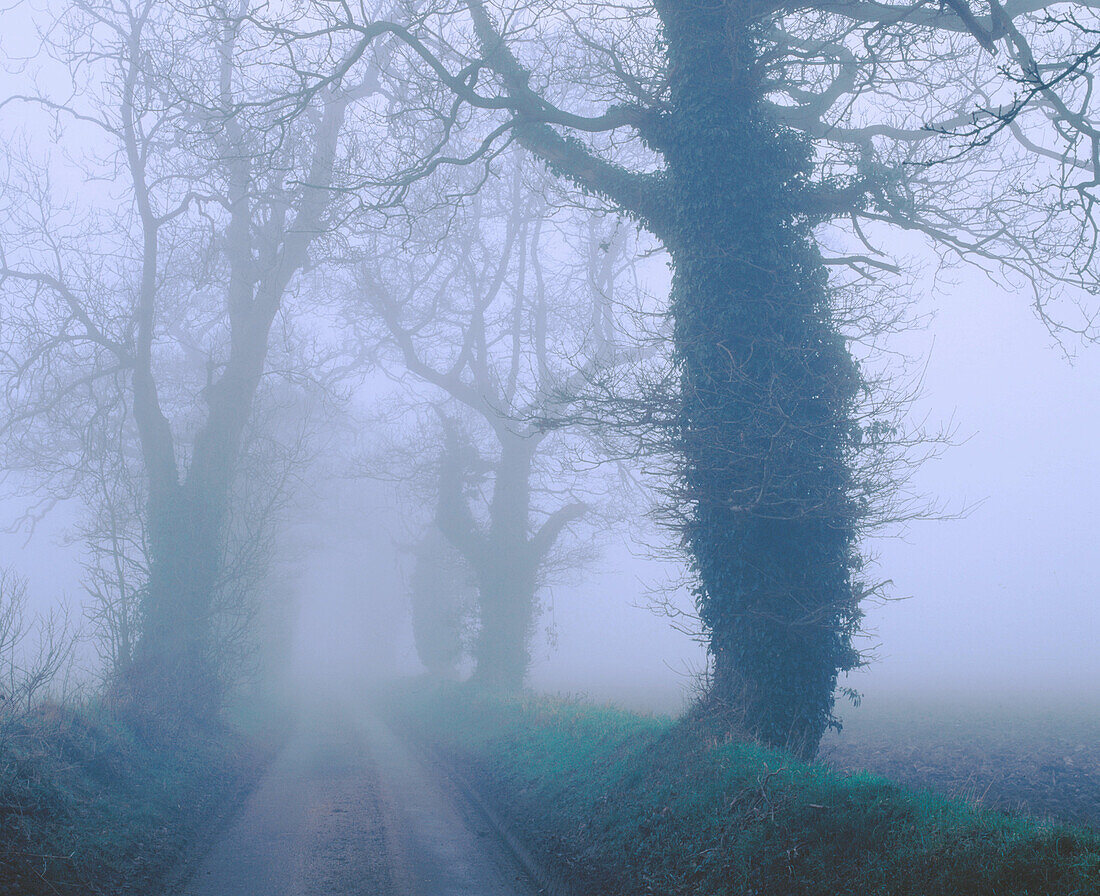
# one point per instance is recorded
(767, 388)
(765, 429)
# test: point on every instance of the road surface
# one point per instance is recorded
(347, 810)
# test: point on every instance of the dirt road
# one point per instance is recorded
(347, 810)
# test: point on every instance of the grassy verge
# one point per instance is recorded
(625, 804)
(90, 804)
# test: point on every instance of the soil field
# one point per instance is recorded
(1042, 762)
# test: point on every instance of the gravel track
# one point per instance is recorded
(347, 810)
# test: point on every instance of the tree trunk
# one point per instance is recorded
(765, 430)
(507, 571)
(506, 596)
(767, 389)
(504, 557)
(175, 672)
(436, 598)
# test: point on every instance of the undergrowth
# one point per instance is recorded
(93, 804)
(625, 804)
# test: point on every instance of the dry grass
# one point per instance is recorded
(638, 805)
(90, 804)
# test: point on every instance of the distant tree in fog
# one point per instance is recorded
(441, 598)
(507, 322)
(216, 208)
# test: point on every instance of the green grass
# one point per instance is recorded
(627, 804)
(91, 804)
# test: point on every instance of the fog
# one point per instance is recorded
(996, 605)
(1002, 600)
(525, 446)
(992, 598)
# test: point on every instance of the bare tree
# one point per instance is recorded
(508, 327)
(34, 650)
(116, 562)
(224, 205)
